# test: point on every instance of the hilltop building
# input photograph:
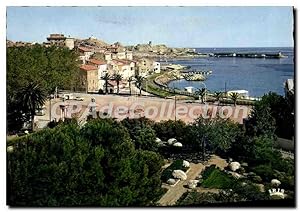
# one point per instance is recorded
(56, 39)
(70, 43)
(60, 40)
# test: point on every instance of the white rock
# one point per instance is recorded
(199, 177)
(193, 183)
(171, 141)
(275, 182)
(244, 183)
(185, 163)
(157, 140)
(171, 181)
(261, 187)
(236, 175)
(179, 174)
(10, 149)
(178, 144)
(234, 166)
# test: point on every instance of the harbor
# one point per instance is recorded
(258, 76)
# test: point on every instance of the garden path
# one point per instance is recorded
(174, 193)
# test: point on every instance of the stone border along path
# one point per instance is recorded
(174, 193)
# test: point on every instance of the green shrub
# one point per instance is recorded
(265, 172)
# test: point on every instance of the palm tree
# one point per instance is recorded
(106, 77)
(139, 81)
(218, 96)
(129, 81)
(234, 97)
(118, 79)
(202, 93)
(32, 97)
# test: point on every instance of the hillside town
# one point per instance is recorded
(96, 61)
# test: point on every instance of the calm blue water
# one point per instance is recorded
(258, 76)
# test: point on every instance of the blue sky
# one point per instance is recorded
(174, 26)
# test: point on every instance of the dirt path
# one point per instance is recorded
(216, 160)
(174, 193)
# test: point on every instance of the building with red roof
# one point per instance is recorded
(88, 80)
(84, 53)
(97, 62)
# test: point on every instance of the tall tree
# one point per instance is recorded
(33, 97)
(201, 93)
(234, 97)
(51, 67)
(106, 78)
(129, 81)
(96, 165)
(139, 81)
(282, 110)
(118, 79)
(260, 122)
(218, 96)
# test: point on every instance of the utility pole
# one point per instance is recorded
(175, 101)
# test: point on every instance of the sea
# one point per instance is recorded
(256, 75)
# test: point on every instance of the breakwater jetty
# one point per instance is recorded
(195, 75)
(249, 55)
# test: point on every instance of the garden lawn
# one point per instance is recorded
(220, 180)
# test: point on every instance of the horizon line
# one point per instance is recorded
(208, 47)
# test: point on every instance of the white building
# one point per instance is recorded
(69, 42)
(289, 86)
(189, 89)
(107, 56)
(125, 68)
(120, 55)
(129, 55)
(156, 67)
